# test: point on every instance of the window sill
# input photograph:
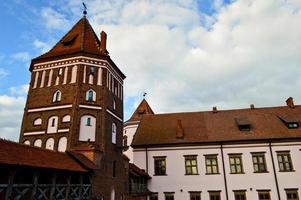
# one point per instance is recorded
(288, 171)
(192, 174)
(237, 173)
(160, 175)
(212, 174)
(261, 172)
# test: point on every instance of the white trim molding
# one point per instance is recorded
(90, 107)
(110, 112)
(34, 133)
(49, 108)
(63, 130)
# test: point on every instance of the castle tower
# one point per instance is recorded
(132, 124)
(75, 102)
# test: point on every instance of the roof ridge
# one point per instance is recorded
(28, 146)
(208, 111)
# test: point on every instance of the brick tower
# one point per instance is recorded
(75, 103)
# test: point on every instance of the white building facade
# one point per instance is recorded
(260, 163)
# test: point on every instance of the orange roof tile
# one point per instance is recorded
(81, 38)
(142, 109)
(12, 153)
(221, 126)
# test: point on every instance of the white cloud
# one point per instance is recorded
(54, 20)
(21, 90)
(21, 56)
(249, 55)
(11, 111)
(3, 73)
(247, 52)
(42, 46)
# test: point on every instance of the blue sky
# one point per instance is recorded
(187, 55)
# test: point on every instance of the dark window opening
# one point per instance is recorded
(243, 124)
(290, 122)
(160, 165)
(53, 122)
(92, 70)
(88, 122)
(69, 41)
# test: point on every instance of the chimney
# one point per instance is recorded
(214, 109)
(290, 102)
(180, 131)
(103, 40)
(252, 106)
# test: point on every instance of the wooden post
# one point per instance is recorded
(10, 184)
(35, 185)
(52, 191)
(68, 187)
(81, 186)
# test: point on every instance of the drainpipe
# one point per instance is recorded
(146, 160)
(224, 172)
(274, 170)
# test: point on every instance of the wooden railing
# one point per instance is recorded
(45, 191)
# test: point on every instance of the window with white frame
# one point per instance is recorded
(292, 194)
(91, 95)
(37, 122)
(52, 124)
(114, 133)
(57, 96)
(87, 129)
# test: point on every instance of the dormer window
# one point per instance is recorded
(290, 122)
(292, 125)
(243, 123)
(69, 41)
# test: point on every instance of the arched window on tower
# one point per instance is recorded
(62, 145)
(52, 124)
(87, 128)
(50, 144)
(114, 138)
(91, 95)
(37, 143)
(57, 96)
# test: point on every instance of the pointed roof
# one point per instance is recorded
(142, 109)
(81, 38)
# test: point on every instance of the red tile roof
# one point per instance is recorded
(12, 153)
(142, 109)
(136, 171)
(216, 127)
(81, 38)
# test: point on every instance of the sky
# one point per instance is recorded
(187, 55)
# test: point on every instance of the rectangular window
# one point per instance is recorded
(191, 165)
(259, 163)
(169, 195)
(215, 195)
(264, 195)
(92, 70)
(292, 194)
(160, 165)
(240, 195)
(195, 195)
(236, 164)
(284, 161)
(153, 196)
(211, 164)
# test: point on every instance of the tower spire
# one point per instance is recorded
(85, 9)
